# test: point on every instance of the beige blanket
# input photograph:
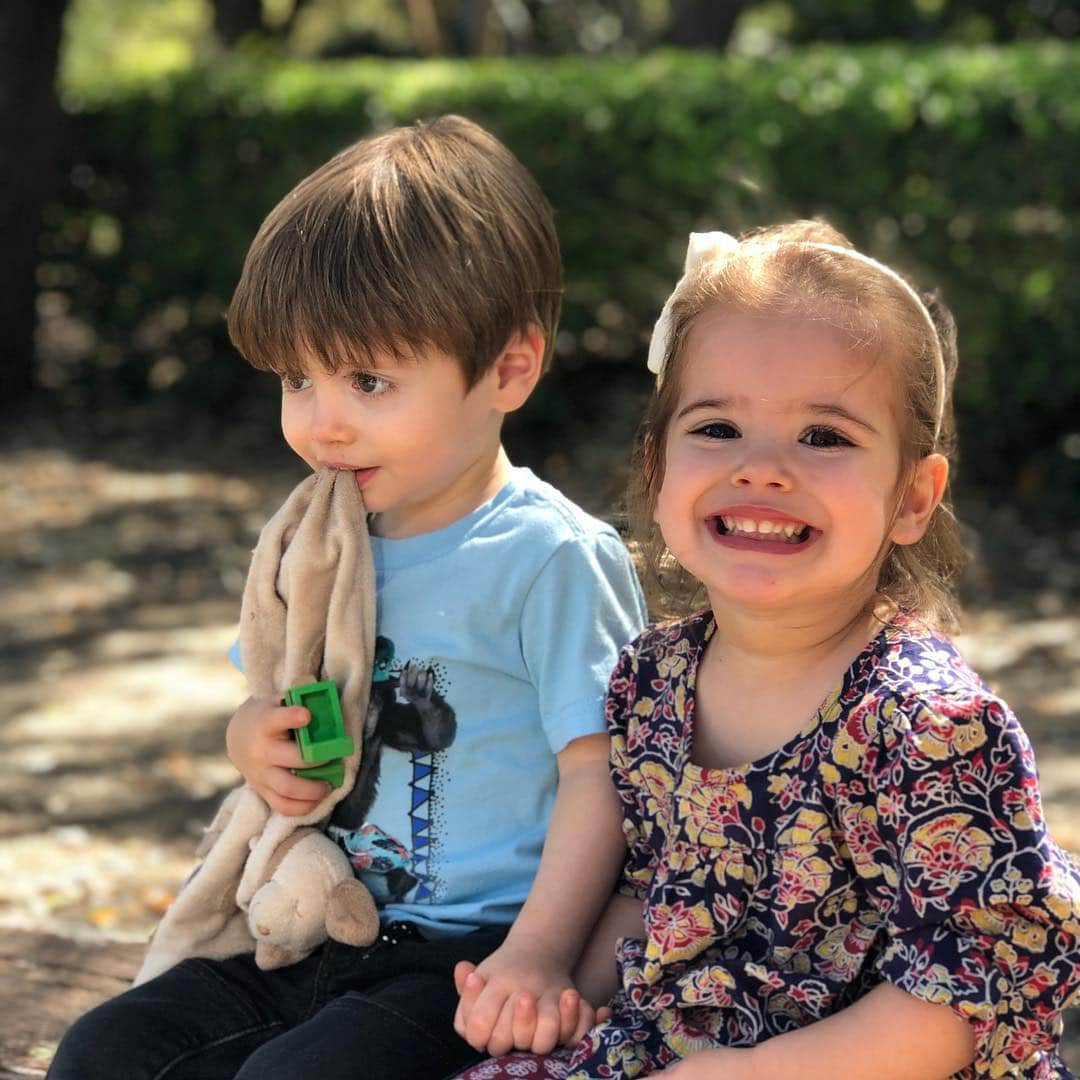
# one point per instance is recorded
(308, 613)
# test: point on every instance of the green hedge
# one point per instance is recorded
(958, 165)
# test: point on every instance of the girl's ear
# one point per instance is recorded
(517, 369)
(923, 495)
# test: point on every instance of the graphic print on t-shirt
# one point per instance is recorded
(409, 714)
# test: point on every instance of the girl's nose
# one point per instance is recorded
(762, 467)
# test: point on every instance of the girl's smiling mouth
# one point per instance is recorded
(753, 529)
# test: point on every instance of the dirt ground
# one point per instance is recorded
(120, 575)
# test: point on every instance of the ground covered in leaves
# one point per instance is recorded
(121, 567)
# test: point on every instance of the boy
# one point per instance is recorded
(407, 294)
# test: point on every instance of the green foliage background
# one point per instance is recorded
(956, 164)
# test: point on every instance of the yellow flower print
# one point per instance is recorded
(644, 706)
(860, 825)
(847, 750)
(934, 985)
(970, 735)
(1005, 954)
(942, 738)
(708, 985)
(656, 781)
(706, 810)
(685, 861)
(1065, 908)
(854, 736)
(804, 876)
(949, 851)
(933, 742)
(783, 1005)
(988, 920)
(830, 711)
(678, 931)
(670, 667)
(735, 866)
(687, 1040)
(809, 827)
(680, 701)
(786, 959)
(1029, 935)
(841, 952)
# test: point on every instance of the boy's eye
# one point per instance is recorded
(371, 385)
(825, 438)
(717, 429)
(294, 384)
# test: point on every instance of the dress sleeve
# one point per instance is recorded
(623, 724)
(583, 607)
(943, 820)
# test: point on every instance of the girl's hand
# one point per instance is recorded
(724, 1063)
(259, 743)
(498, 1013)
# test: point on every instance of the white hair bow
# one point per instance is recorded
(702, 246)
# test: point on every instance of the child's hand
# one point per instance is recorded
(258, 743)
(519, 1023)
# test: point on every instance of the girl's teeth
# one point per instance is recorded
(761, 528)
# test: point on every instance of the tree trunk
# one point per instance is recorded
(471, 20)
(424, 20)
(235, 18)
(703, 24)
(30, 122)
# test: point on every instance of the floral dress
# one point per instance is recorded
(898, 836)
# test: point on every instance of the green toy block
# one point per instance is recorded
(333, 772)
(323, 740)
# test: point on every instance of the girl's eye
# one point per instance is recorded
(371, 385)
(294, 384)
(825, 438)
(717, 429)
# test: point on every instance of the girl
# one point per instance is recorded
(834, 828)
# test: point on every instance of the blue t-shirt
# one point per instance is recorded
(496, 639)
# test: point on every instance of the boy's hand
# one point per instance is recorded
(259, 744)
(516, 1001)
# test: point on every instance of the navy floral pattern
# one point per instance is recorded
(898, 836)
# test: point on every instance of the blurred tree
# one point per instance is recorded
(702, 24)
(236, 19)
(30, 122)
(233, 19)
(970, 21)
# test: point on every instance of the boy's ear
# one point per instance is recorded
(922, 497)
(517, 368)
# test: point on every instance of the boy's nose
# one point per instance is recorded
(330, 422)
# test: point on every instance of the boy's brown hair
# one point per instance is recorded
(431, 235)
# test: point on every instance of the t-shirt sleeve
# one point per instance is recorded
(980, 906)
(585, 604)
(622, 720)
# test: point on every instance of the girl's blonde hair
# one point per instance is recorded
(797, 271)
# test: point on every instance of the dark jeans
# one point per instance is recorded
(380, 1013)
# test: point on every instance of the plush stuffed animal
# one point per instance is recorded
(311, 893)
(270, 883)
